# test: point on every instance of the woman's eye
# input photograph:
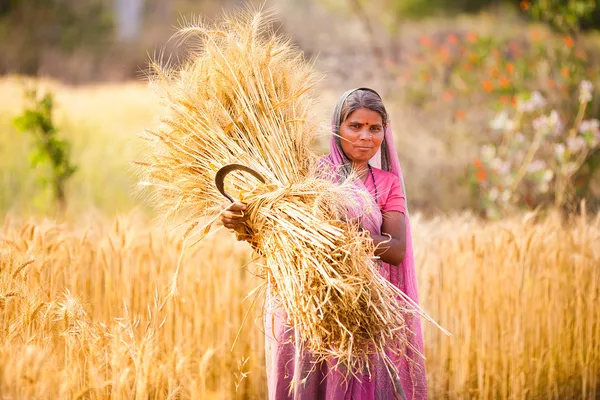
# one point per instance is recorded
(375, 129)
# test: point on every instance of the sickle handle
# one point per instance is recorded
(224, 171)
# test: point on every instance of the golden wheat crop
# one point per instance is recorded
(84, 311)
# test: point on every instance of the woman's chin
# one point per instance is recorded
(360, 160)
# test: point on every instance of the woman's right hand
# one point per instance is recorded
(234, 218)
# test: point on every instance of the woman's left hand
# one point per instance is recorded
(390, 246)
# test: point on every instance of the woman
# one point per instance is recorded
(362, 140)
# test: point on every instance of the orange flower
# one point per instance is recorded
(444, 53)
(494, 72)
(477, 163)
(426, 77)
(551, 84)
(468, 66)
(535, 35)
(471, 37)
(452, 38)
(569, 41)
(581, 55)
(525, 5)
(513, 100)
(504, 81)
(447, 95)
(460, 115)
(481, 175)
(510, 68)
(487, 86)
(425, 40)
(473, 58)
(565, 72)
(503, 99)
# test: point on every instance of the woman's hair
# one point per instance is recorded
(364, 98)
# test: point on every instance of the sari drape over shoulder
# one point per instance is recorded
(321, 381)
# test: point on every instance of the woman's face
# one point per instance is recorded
(361, 135)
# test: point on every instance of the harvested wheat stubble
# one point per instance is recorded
(244, 96)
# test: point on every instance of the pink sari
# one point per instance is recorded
(321, 381)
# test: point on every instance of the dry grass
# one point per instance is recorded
(83, 311)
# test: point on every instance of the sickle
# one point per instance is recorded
(224, 171)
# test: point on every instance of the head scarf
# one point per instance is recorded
(403, 276)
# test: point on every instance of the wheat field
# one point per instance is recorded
(86, 310)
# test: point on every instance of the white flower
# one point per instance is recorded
(488, 152)
(535, 102)
(559, 150)
(585, 91)
(544, 187)
(506, 195)
(538, 100)
(590, 125)
(494, 193)
(501, 122)
(575, 144)
(555, 123)
(524, 106)
(540, 123)
(548, 175)
(507, 180)
(548, 123)
(536, 166)
(496, 164)
(504, 168)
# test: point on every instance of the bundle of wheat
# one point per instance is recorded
(244, 96)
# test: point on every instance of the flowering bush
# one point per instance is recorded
(543, 144)
(468, 71)
(534, 154)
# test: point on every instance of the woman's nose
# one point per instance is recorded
(364, 134)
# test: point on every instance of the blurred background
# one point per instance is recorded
(494, 105)
(484, 94)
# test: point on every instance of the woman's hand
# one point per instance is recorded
(234, 218)
(391, 245)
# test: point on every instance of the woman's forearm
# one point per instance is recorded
(389, 250)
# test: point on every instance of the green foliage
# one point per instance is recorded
(424, 8)
(29, 27)
(48, 149)
(565, 15)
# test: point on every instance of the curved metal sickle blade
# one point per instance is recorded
(224, 171)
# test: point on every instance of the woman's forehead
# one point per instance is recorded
(366, 116)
